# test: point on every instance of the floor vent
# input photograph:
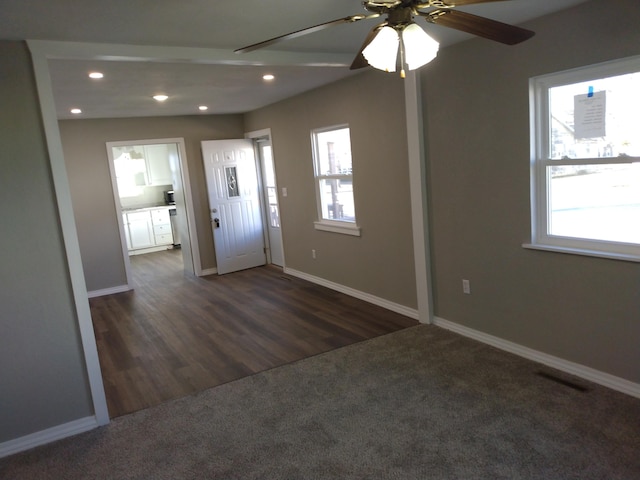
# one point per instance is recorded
(562, 381)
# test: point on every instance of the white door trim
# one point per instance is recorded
(418, 193)
(69, 233)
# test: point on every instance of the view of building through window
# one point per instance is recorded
(593, 184)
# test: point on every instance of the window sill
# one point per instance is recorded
(338, 227)
(579, 251)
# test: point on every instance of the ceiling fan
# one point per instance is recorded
(400, 33)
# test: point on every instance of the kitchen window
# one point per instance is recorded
(334, 180)
(585, 183)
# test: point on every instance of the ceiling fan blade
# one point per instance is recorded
(304, 31)
(360, 61)
(480, 26)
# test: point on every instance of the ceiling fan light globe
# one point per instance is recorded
(382, 52)
(419, 47)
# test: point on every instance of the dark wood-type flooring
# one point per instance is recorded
(177, 334)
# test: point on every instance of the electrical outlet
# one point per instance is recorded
(466, 286)
(313, 254)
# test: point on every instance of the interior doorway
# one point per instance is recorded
(153, 197)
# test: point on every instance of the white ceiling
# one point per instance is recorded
(226, 86)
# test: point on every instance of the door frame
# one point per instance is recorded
(255, 136)
(191, 258)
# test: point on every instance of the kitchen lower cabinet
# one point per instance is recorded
(162, 226)
(140, 230)
(147, 228)
(125, 222)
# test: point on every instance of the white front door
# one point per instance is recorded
(234, 204)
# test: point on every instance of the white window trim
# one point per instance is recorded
(346, 228)
(326, 225)
(539, 122)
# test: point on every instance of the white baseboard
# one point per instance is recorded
(109, 291)
(587, 373)
(47, 436)
(381, 302)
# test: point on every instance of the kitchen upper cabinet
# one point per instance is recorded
(141, 165)
(158, 168)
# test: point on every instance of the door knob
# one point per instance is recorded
(217, 220)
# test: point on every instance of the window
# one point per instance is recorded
(586, 160)
(334, 180)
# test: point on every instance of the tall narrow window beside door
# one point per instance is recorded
(334, 180)
(586, 160)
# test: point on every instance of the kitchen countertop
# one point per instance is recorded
(144, 209)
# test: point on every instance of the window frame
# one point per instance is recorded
(346, 227)
(540, 134)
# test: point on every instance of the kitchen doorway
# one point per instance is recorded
(152, 194)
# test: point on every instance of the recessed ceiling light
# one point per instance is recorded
(268, 77)
(95, 75)
(76, 111)
(160, 98)
(203, 108)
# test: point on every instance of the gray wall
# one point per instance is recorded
(582, 309)
(380, 262)
(43, 381)
(85, 153)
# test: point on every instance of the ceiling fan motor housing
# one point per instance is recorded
(399, 12)
(383, 7)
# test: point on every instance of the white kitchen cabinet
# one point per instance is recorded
(158, 168)
(162, 226)
(142, 165)
(125, 222)
(147, 229)
(140, 230)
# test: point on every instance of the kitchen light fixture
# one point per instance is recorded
(416, 48)
(160, 97)
(96, 75)
(202, 108)
(268, 77)
(76, 111)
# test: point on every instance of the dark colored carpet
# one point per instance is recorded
(421, 403)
